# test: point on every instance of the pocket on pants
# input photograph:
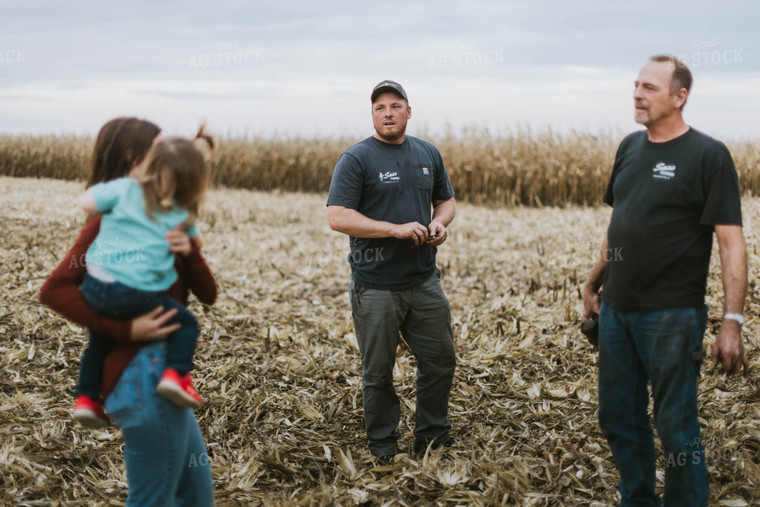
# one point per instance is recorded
(125, 403)
(355, 293)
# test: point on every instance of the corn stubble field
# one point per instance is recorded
(279, 366)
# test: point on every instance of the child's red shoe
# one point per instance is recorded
(179, 389)
(90, 413)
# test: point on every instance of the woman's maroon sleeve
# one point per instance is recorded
(198, 276)
(60, 292)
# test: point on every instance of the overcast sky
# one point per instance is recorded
(307, 68)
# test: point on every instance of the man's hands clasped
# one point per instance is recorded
(434, 234)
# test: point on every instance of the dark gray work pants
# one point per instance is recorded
(422, 315)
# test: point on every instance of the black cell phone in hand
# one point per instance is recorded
(590, 328)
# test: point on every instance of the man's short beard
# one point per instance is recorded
(391, 139)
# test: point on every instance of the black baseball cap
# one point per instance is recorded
(388, 86)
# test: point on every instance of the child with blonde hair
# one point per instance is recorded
(130, 264)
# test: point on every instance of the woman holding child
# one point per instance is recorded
(166, 461)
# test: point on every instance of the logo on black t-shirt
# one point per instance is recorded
(389, 177)
(662, 171)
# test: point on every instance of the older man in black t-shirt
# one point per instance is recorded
(390, 193)
(671, 187)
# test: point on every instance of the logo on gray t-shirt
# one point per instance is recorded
(389, 177)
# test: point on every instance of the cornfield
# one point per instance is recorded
(525, 168)
(279, 368)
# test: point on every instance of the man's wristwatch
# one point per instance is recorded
(738, 317)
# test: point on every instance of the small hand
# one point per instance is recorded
(179, 241)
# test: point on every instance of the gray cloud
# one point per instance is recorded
(520, 42)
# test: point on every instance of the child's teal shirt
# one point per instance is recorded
(130, 246)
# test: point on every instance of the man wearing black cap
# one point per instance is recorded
(392, 196)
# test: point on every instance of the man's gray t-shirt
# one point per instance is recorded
(395, 183)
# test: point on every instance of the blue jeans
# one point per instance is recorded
(422, 315)
(664, 348)
(165, 455)
(117, 301)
